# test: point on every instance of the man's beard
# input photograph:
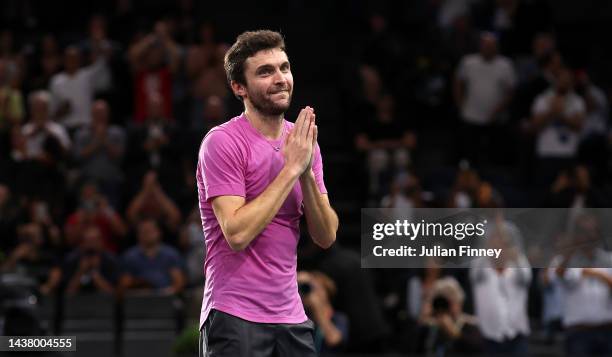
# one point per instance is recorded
(266, 106)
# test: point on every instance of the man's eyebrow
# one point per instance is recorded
(268, 66)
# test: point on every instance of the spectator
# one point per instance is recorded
(387, 143)
(558, 117)
(154, 144)
(32, 259)
(73, 89)
(483, 89)
(331, 327)
(39, 151)
(154, 58)
(594, 146)
(464, 192)
(539, 75)
(405, 195)
(152, 202)
(152, 265)
(45, 140)
(448, 330)
(500, 293)
(99, 149)
(11, 102)
(573, 188)
(94, 210)
(90, 268)
(48, 63)
(586, 276)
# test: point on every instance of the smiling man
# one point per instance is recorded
(257, 174)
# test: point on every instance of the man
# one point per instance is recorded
(500, 289)
(557, 118)
(483, 90)
(99, 148)
(583, 272)
(90, 268)
(257, 174)
(152, 265)
(73, 89)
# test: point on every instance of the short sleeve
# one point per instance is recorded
(540, 105)
(222, 166)
(578, 107)
(317, 169)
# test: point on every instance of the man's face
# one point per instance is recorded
(72, 60)
(269, 82)
(565, 81)
(488, 46)
(148, 234)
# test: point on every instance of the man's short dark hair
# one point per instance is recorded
(247, 45)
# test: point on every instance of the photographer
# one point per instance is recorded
(583, 269)
(90, 268)
(94, 209)
(331, 327)
(447, 329)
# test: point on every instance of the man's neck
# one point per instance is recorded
(269, 126)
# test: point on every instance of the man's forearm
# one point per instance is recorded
(321, 219)
(248, 221)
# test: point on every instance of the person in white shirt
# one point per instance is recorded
(585, 277)
(500, 289)
(73, 89)
(40, 129)
(483, 88)
(558, 116)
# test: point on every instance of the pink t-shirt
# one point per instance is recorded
(259, 283)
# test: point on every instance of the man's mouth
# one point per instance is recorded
(281, 91)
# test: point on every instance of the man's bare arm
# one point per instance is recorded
(241, 222)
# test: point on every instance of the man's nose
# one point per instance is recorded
(279, 77)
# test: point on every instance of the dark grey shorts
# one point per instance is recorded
(227, 335)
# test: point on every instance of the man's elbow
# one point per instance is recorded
(327, 241)
(237, 242)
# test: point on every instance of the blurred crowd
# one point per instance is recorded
(100, 128)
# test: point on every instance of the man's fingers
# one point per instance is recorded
(299, 124)
(305, 124)
(295, 131)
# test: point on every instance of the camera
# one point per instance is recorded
(304, 289)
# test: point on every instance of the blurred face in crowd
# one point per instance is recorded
(156, 106)
(488, 46)
(269, 82)
(565, 81)
(149, 234)
(99, 113)
(586, 234)
(92, 240)
(155, 56)
(543, 43)
(214, 109)
(385, 109)
(39, 108)
(72, 59)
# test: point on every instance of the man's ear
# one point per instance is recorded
(238, 89)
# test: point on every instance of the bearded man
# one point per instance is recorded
(257, 174)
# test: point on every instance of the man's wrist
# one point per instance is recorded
(293, 172)
(307, 175)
